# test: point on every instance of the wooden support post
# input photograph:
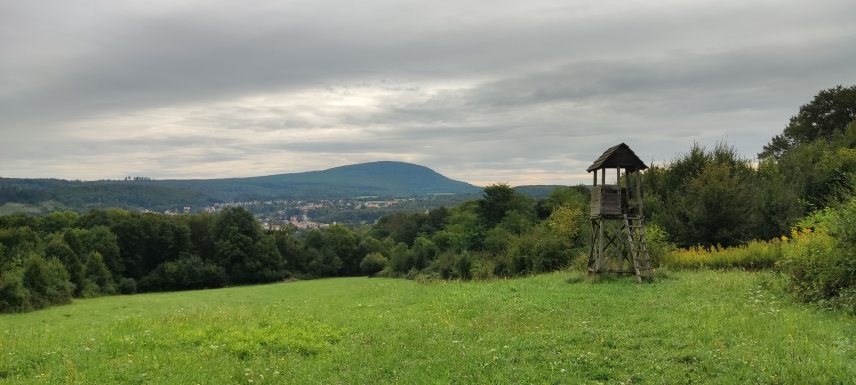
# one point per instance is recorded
(627, 196)
(600, 256)
(602, 176)
(595, 178)
(639, 190)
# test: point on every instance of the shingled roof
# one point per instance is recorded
(618, 156)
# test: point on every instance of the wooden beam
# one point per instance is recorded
(639, 190)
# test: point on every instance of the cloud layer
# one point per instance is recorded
(487, 91)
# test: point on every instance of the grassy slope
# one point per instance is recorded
(10, 208)
(696, 327)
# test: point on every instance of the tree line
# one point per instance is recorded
(713, 196)
(53, 258)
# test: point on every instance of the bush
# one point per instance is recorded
(483, 267)
(99, 280)
(820, 260)
(127, 286)
(753, 256)
(400, 260)
(14, 297)
(46, 282)
(538, 251)
(658, 244)
(373, 263)
(188, 272)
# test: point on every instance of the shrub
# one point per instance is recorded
(14, 297)
(538, 251)
(820, 260)
(400, 260)
(658, 243)
(188, 272)
(753, 256)
(127, 286)
(373, 263)
(550, 255)
(463, 265)
(98, 277)
(46, 282)
(483, 267)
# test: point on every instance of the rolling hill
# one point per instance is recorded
(381, 179)
(384, 179)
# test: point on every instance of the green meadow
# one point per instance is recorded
(687, 327)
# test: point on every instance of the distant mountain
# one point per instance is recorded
(381, 179)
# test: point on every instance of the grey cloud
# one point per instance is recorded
(503, 86)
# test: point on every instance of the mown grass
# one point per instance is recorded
(691, 327)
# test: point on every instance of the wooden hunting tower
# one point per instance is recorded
(618, 242)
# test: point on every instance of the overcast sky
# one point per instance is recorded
(521, 92)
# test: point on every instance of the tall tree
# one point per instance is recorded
(499, 200)
(825, 117)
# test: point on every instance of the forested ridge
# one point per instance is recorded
(382, 179)
(800, 191)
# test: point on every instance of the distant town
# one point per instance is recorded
(303, 215)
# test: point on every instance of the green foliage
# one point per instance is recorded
(373, 263)
(404, 228)
(658, 244)
(462, 231)
(343, 243)
(755, 255)
(567, 222)
(46, 282)
(58, 248)
(58, 221)
(457, 265)
(291, 249)
(777, 205)
(497, 240)
(715, 207)
(824, 118)
(247, 255)
(819, 172)
(14, 297)
(99, 281)
(538, 251)
(400, 260)
(716, 198)
(127, 286)
(499, 201)
(188, 272)
(578, 196)
(821, 258)
(322, 262)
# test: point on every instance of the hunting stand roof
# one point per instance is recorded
(620, 156)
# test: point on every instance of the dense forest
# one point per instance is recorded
(708, 197)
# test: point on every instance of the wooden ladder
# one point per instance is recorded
(638, 247)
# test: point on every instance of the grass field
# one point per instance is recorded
(10, 208)
(691, 327)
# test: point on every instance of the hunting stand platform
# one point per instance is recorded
(618, 243)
